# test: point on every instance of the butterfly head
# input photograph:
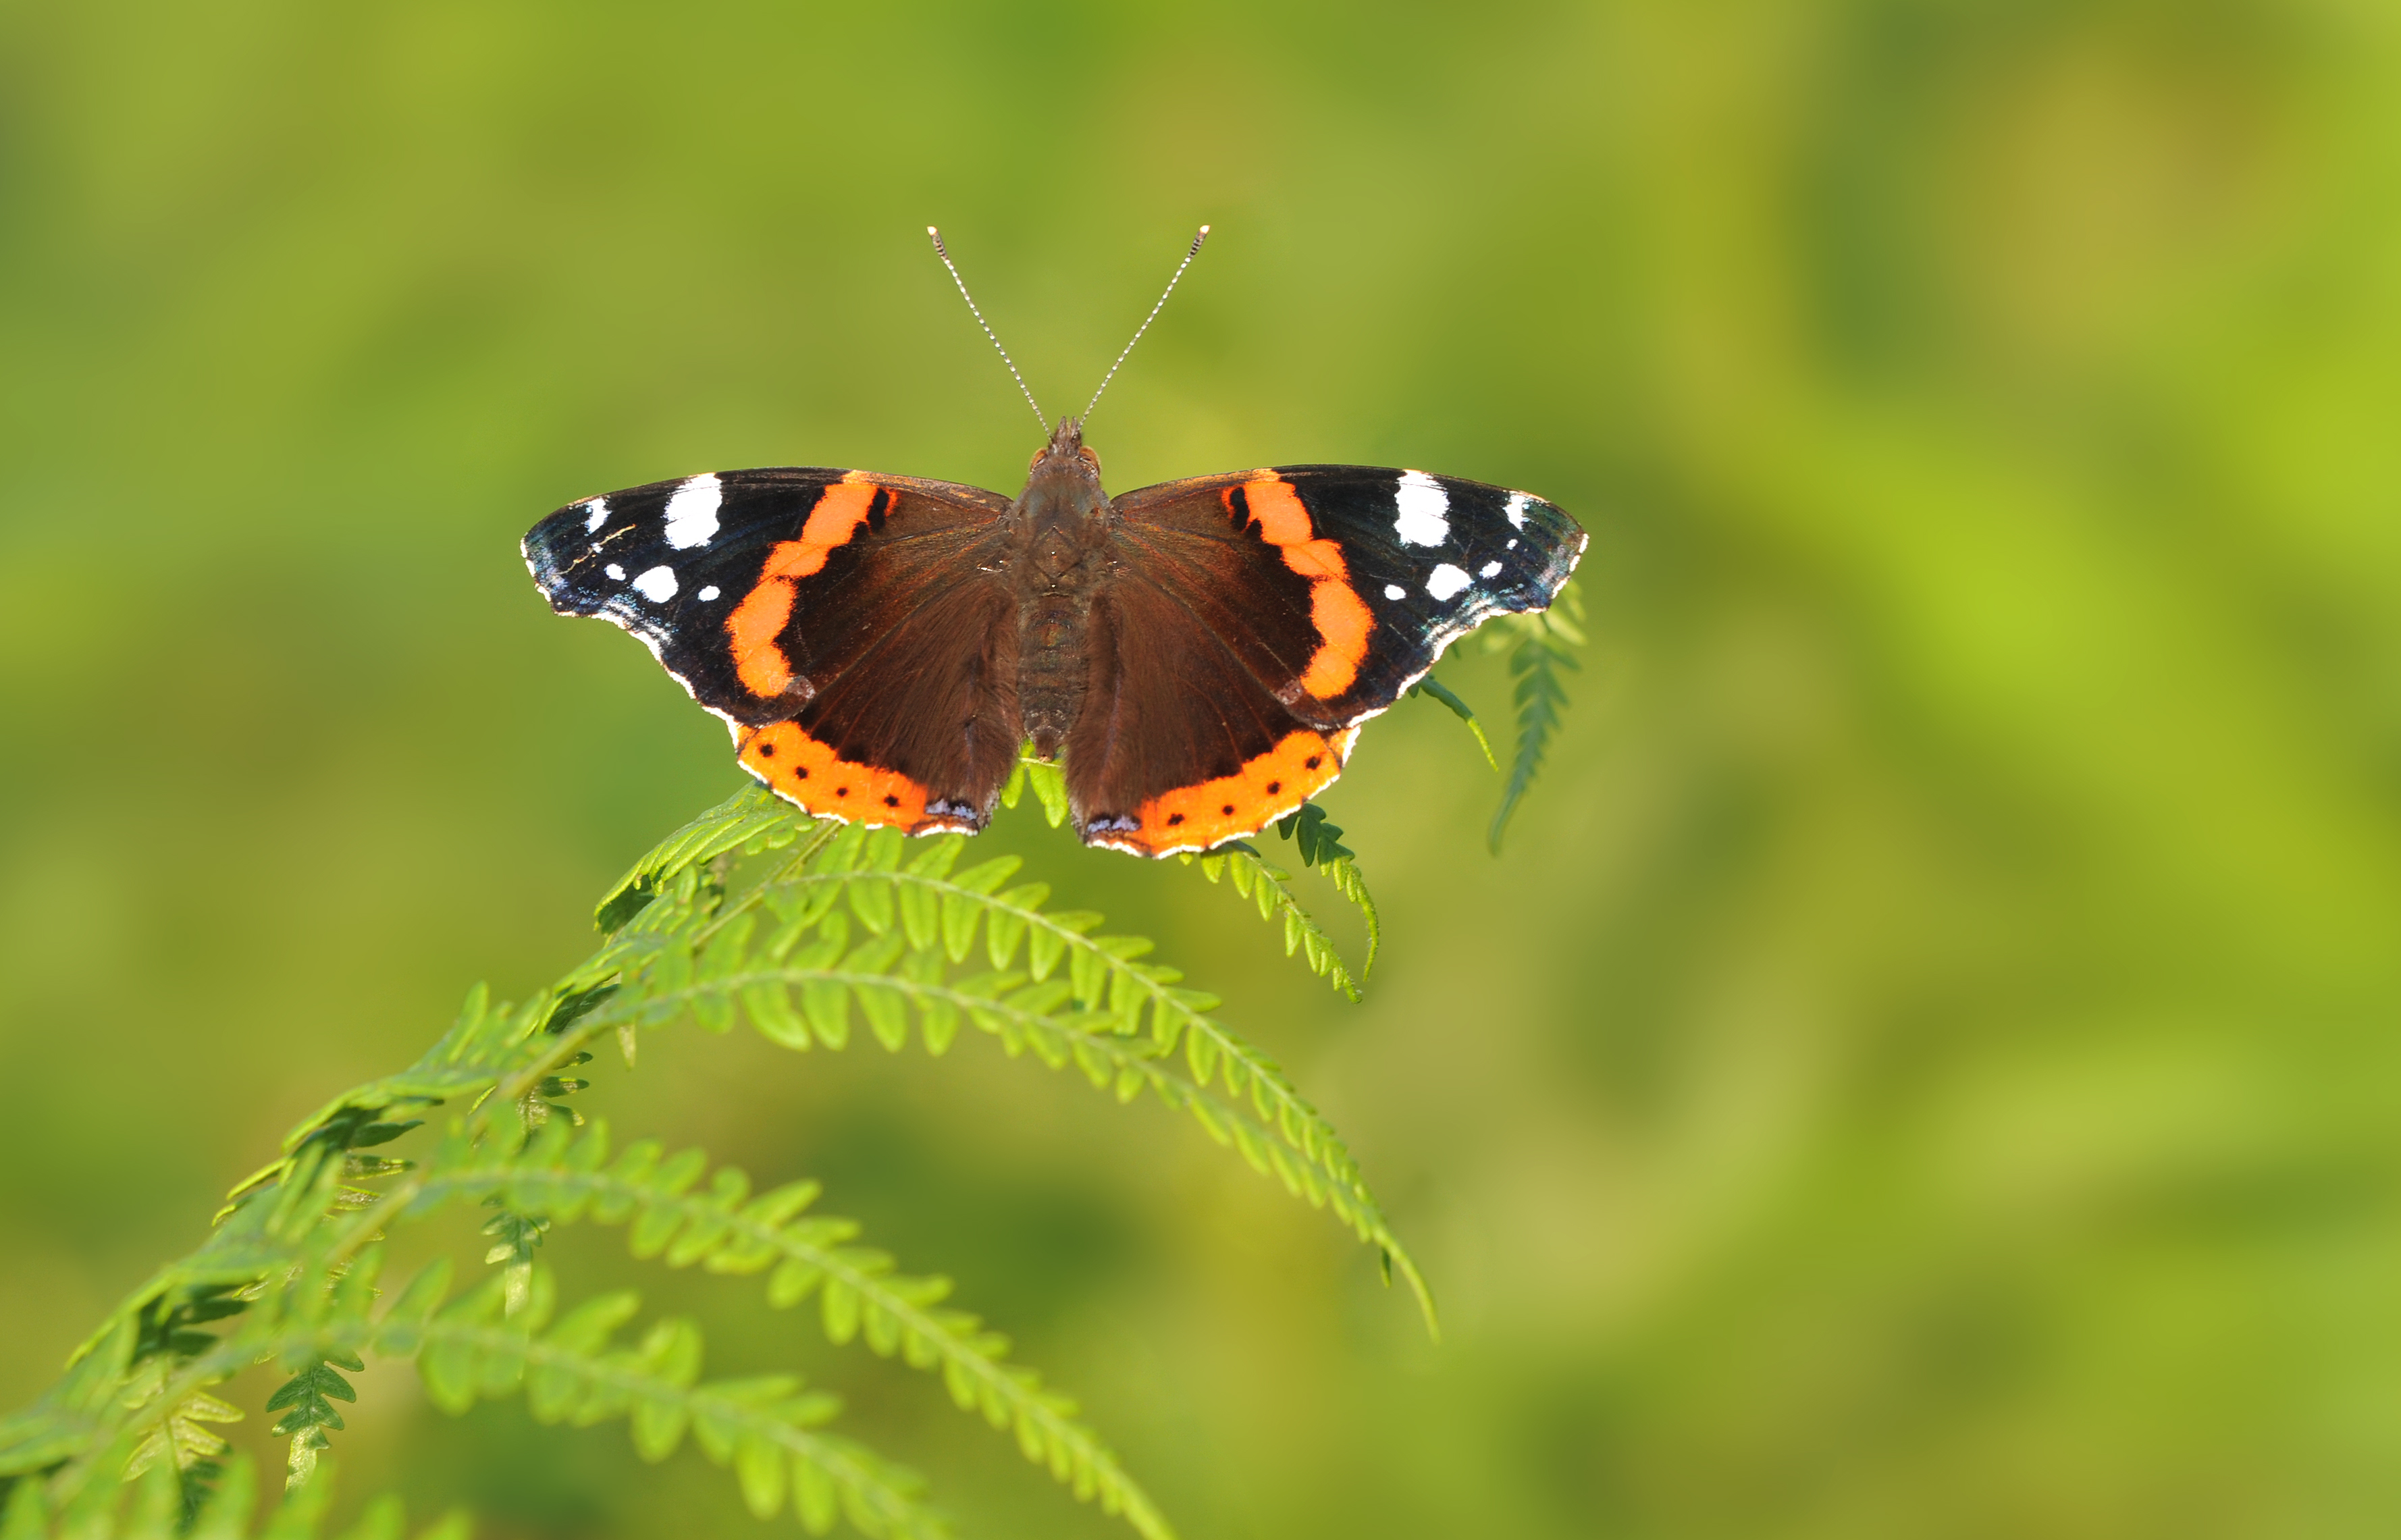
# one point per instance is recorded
(1066, 474)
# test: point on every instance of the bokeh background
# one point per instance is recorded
(1927, 1062)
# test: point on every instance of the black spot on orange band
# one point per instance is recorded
(1259, 791)
(801, 769)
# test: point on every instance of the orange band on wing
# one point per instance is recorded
(1264, 789)
(1341, 616)
(835, 517)
(799, 768)
(755, 625)
(1282, 520)
(839, 512)
(759, 620)
(1317, 558)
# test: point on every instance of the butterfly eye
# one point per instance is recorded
(1037, 457)
(1090, 459)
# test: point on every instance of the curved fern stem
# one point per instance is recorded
(1118, 996)
(158, 1511)
(476, 1349)
(1435, 688)
(764, 1427)
(569, 1177)
(1270, 886)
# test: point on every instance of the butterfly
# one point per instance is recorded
(1200, 653)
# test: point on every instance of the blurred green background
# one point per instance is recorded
(1926, 1063)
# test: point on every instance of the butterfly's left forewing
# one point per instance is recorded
(848, 626)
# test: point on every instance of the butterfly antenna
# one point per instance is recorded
(944, 253)
(1151, 317)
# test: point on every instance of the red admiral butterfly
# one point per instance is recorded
(1202, 651)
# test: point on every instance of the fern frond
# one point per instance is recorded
(1349, 881)
(1539, 647)
(314, 1309)
(149, 1507)
(752, 816)
(1319, 839)
(287, 1272)
(766, 1428)
(1286, 1138)
(1077, 992)
(1270, 886)
(1049, 782)
(186, 1448)
(725, 1230)
(514, 1238)
(571, 1372)
(183, 1437)
(306, 1401)
(180, 1435)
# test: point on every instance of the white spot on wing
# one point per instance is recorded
(597, 516)
(1512, 545)
(1516, 510)
(616, 573)
(1393, 590)
(1422, 505)
(692, 512)
(1445, 581)
(658, 584)
(1489, 569)
(708, 592)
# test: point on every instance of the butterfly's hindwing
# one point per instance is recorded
(1179, 744)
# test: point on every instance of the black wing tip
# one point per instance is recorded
(552, 576)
